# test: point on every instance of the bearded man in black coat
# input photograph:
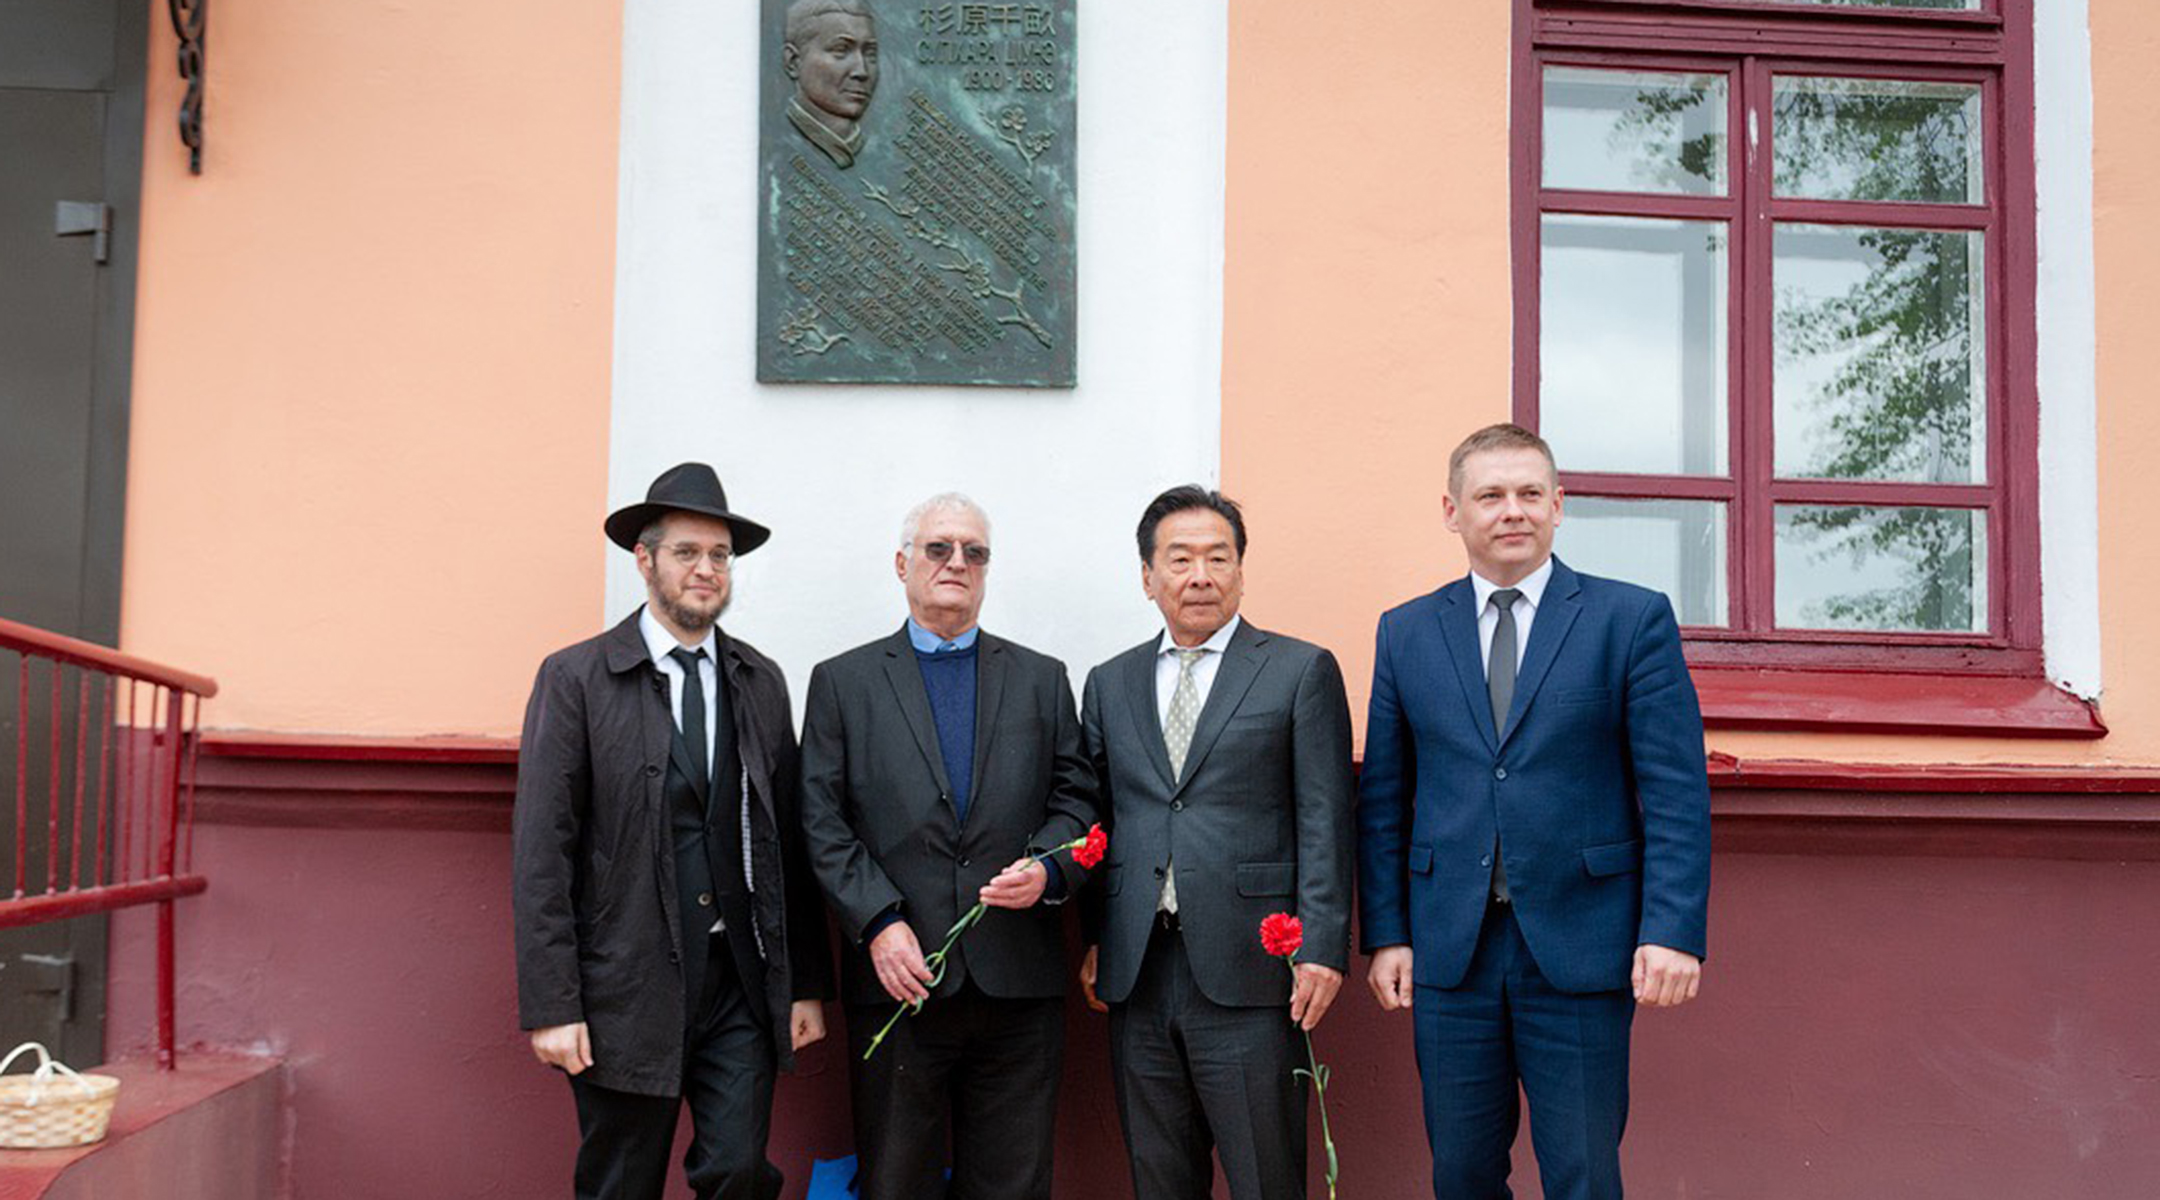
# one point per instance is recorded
(670, 942)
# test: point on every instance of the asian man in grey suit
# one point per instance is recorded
(1223, 755)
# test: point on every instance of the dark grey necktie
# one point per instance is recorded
(1500, 686)
(693, 713)
(1500, 666)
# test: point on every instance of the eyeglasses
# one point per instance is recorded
(687, 555)
(975, 554)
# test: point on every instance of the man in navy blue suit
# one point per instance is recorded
(1534, 833)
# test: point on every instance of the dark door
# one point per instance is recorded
(71, 76)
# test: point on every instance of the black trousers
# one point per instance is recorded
(728, 1066)
(1193, 1076)
(991, 1064)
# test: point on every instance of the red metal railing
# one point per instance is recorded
(102, 807)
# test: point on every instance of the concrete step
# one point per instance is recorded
(210, 1130)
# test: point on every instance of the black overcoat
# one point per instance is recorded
(593, 886)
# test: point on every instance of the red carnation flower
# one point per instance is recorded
(1091, 850)
(1281, 934)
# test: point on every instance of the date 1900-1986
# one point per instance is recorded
(991, 79)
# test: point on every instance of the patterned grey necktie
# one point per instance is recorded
(1500, 687)
(1184, 710)
(1177, 739)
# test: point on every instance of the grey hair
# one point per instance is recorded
(911, 524)
(649, 537)
(802, 12)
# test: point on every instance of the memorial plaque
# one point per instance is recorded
(917, 195)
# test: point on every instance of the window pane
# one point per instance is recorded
(1882, 568)
(1881, 363)
(1674, 546)
(1634, 131)
(1631, 358)
(1876, 139)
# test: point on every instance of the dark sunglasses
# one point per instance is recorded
(975, 554)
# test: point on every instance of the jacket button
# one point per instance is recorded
(963, 860)
(1158, 872)
(1177, 806)
(1485, 861)
(704, 899)
(651, 772)
(674, 957)
(1499, 772)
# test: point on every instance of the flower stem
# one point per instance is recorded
(1318, 1074)
(1327, 1136)
(936, 961)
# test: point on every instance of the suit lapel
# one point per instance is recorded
(907, 685)
(1241, 664)
(1140, 702)
(990, 667)
(1556, 613)
(1459, 633)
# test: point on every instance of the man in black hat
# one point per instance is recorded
(670, 941)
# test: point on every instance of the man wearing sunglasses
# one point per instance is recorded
(935, 760)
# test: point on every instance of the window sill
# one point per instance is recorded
(1882, 702)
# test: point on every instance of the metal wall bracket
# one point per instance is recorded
(190, 19)
(74, 218)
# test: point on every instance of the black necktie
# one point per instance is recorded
(1500, 686)
(693, 713)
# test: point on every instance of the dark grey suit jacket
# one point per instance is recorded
(879, 821)
(1259, 821)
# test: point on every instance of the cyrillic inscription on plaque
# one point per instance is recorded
(917, 190)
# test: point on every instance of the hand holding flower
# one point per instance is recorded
(1312, 989)
(898, 960)
(908, 975)
(1019, 885)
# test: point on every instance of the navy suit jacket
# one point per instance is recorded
(1596, 785)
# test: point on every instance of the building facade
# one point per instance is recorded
(1833, 313)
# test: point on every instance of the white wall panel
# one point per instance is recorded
(833, 468)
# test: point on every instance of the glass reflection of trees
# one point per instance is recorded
(1650, 135)
(1901, 349)
(1904, 398)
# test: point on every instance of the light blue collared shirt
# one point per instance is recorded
(926, 642)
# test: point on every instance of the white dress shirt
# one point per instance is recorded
(1525, 609)
(659, 643)
(1167, 667)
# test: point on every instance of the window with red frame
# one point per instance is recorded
(1774, 313)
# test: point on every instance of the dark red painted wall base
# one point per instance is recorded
(1930, 1002)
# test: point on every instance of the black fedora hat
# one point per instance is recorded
(691, 487)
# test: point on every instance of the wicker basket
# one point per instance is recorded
(40, 1110)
